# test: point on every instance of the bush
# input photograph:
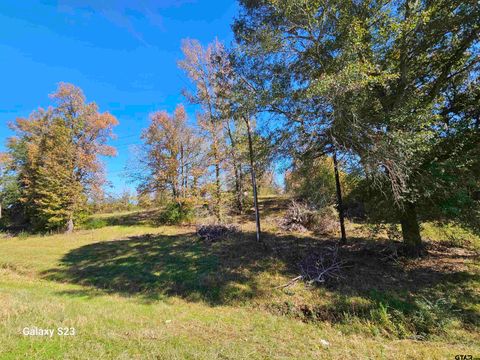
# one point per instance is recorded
(326, 221)
(94, 223)
(177, 212)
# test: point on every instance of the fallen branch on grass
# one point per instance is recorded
(290, 283)
(318, 268)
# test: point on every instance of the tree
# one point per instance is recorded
(55, 158)
(198, 66)
(370, 78)
(286, 48)
(173, 155)
(234, 134)
(9, 192)
(56, 195)
(431, 49)
(234, 93)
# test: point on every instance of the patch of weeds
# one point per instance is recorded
(379, 313)
(431, 316)
(450, 234)
(419, 318)
(23, 235)
(177, 212)
(389, 321)
(11, 267)
(94, 223)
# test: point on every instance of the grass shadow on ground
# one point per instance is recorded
(153, 267)
(419, 293)
(158, 266)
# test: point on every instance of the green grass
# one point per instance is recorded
(450, 234)
(145, 292)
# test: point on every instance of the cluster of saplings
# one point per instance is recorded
(370, 105)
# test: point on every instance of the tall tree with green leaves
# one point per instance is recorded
(373, 79)
(9, 191)
(238, 101)
(57, 195)
(287, 49)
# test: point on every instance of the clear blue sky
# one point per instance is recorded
(122, 53)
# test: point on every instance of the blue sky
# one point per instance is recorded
(122, 53)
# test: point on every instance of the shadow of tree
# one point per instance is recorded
(156, 267)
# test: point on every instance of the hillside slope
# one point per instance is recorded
(147, 292)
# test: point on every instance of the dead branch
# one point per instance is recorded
(318, 268)
(216, 231)
(290, 283)
(321, 267)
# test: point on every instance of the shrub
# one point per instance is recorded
(94, 223)
(325, 221)
(177, 212)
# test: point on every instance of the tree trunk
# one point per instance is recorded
(254, 180)
(411, 229)
(240, 190)
(174, 191)
(237, 169)
(186, 179)
(182, 173)
(340, 209)
(218, 192)
(238, 195)
(70, 226)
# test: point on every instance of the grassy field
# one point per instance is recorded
(139, 291)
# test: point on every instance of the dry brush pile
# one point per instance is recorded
(301, 217)
(215, 232)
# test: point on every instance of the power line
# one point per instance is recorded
(186, 83)
(124, 146)
(125, 137)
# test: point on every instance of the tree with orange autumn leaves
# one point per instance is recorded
(226, 117)
(55, 158)
(199, 68)
(172, 155)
